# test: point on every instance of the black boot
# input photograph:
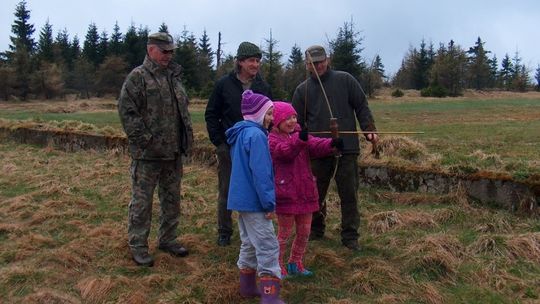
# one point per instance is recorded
(174, 249)
(142, 258)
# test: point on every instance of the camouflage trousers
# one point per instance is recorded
(145, 176)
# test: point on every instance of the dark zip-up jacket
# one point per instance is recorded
(347, 101)
(223, 108)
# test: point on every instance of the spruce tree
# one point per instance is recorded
(205, 59)
(91, 44)
(478, 68)
(186, 56)
(506, 72)
(537, 78)
(272, 68)
(346, 51)
(163, 28)
(61, 47)
(116, 44)
(22, 31)
(45, 43)
(295, 71)
(103, 47)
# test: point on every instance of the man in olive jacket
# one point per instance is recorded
(222, 112)
(153, 109)
(348, 104)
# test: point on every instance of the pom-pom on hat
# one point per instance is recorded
(254, 106)
(282, 111)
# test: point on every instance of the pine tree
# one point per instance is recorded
(346, 51)
(116, 44)
(537, 78)
(506, 72)
(478, 68)
(163, 28)
(448, 71)
(520, 75)
(22, 31)
(272, 69)
(7, 81)
(61, 49)
(493, 72)
(45, 43)
(205, 59)
(186, 56)
(91, 44)
(422, 65)
(295, 71)
(374, 76)
(131, 45)
(103, 47)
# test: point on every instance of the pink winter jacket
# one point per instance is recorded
(296, 187)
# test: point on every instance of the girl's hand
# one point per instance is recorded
(269, 215)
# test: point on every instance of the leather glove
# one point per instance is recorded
(337, 143)
(303, 134)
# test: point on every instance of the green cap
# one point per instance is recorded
(316, 53)
(247, 50)
(163, 40)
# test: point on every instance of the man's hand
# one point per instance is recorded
(337, 143)
(372, 137)
(303, 135)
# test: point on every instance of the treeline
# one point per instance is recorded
(57, 65)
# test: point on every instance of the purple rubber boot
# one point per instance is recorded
(248, 283)
(270, 287)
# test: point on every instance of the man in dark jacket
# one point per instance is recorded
(222, 112)
(153, 108)
(346, 102)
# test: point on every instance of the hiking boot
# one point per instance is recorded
(142, 258)
(224, 240)
(352, 245)
(174, 249)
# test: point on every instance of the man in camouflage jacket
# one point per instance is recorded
(153, 109)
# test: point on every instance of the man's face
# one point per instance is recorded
(160, 56)
(320, 67)
(250, 66)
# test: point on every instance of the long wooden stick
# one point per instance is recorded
(366, 132)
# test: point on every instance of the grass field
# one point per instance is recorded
(497, 133)
(63, 239)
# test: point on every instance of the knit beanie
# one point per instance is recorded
(254, 106)
(282, 111)
(247, 50)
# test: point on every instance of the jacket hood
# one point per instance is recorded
(233, 132)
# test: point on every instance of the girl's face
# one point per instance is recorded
(288, 125)
(268, 117)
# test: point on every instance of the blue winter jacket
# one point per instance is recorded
(252, 177)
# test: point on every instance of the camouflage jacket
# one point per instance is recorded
(151, 101)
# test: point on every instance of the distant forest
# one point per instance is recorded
(57, 65)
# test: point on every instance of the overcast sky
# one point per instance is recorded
(389, 27)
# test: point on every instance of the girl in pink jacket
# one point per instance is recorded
(296, 189)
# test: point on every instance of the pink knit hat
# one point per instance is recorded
(254, 106)
(282, 111)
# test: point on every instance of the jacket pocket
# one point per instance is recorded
(285, 188)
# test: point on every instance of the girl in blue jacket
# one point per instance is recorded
(251, 193)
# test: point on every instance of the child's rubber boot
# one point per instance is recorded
(248, 283)
(298, 269)
(270, 287)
